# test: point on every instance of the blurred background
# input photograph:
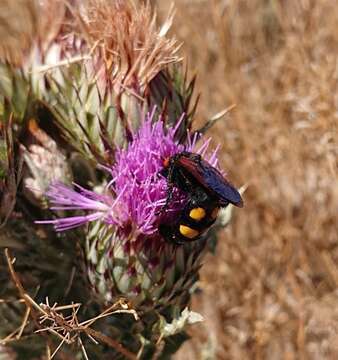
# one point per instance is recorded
(270, 290)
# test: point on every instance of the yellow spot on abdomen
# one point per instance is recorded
(188, 232)
(197, 213)
(214, 213)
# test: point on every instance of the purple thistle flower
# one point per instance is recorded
(139, 189)
(63, 198)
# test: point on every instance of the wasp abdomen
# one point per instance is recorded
(197, 213)
(192, 223)
(188, 232)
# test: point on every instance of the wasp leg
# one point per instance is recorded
(170, 194)
(167, 232)
(169, 235)
(170, 190)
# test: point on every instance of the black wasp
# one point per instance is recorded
(208, 191)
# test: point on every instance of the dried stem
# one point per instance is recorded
(67, 328)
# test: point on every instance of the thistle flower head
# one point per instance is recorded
(126, 255)
(136, 191)
(137, 178)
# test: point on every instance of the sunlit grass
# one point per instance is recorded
(270, 291)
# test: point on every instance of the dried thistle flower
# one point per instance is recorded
(46, 163)
(134, 50)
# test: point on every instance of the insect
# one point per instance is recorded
(208, 191)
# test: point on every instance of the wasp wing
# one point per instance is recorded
(211, 179)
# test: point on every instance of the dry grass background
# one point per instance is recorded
(271, 291)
